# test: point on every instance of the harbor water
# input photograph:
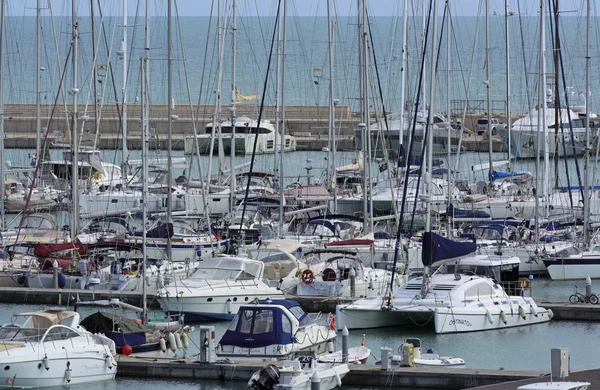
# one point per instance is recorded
(524, 348)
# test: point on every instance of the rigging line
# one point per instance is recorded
(566, 92)
(389, 138)
(410, 154)
(112, 79)
(523, 53)
(260, 113)
(133, 36)
(426, 140)
(555, 45)
(39, 160)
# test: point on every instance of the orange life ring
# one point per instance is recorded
(332, 324)
(307, 276)
(524, 283)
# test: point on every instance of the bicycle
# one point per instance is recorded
(578, 297)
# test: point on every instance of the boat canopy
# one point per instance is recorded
(45, 318)
(263, 324)
(121, 330)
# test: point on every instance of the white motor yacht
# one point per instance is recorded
(275, 329)
(216, 289)
(49, 348)
(246, 131)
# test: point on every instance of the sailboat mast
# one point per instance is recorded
(282, 129)
(544, 103)
(508, 113)
(2, 158)
(38, 84)
(586, 177)
(364, 38)
(233, 109)
(74, 131)
(169, 127)
(144, 182)
(123, 55)
(145, 144)
(489, 90)
(332, 146)
(403, 69)
(448, 108)
(429, 140)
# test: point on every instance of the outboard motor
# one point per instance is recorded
(268, 377)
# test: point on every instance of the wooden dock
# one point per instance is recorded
(359, 375)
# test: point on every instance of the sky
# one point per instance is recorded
(295, 7)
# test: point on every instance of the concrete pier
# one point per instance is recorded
(359, 375)
(309, 124)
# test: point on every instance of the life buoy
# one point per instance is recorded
(307, 276)
(332, 324)
(524, 283)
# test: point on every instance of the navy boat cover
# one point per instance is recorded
(436, 248)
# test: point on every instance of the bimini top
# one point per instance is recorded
(263, 324)
(46, 318)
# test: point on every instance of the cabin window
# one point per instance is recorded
(479, 290)
(286, 325)
(263, 322)
(209, 300)
(234, 323)
(287, 142)
(246, 321)
(270, 144)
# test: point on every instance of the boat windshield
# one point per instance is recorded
(497, 272)
(18, 334)
(226, 269)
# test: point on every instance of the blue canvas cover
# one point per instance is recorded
(436, 248)
(462, 213)
(505, 175)
(256, 326)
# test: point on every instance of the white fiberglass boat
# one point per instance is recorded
(296, 375)
(470, 294)
(275, 329)
(216, 289)
(50, 348)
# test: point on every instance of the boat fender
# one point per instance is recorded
(338, 380)
(503, 316)
(489, 317)
(62, 280)
(46, 362)
(68, 374)
(178, 341)
(371, 286)
(160, 281)
(172, 343)
(522, 312)
(330, 346)
(147, 278)
(108, 361)
(533, 310)
(550, 313)
(185, 340)
(228, 305)
(163, 344)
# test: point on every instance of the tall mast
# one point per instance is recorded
(489, 89)
(364, 115)
(233, 115)
(74, 131)
(543, 102)
(169, 127)
(123, 55)
(282, 130)
(429, 141)
(332, 145)
(368, 220)
(95, 75)
(448, 104)
(586, 177)
(556, 108)
(508, 114)
(277, 87)
(403, 73)
(145, 144)
(38, 64)
(2, 158)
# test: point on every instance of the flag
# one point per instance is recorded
(245, 98)
(214, 234)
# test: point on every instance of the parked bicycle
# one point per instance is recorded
(578, 297)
